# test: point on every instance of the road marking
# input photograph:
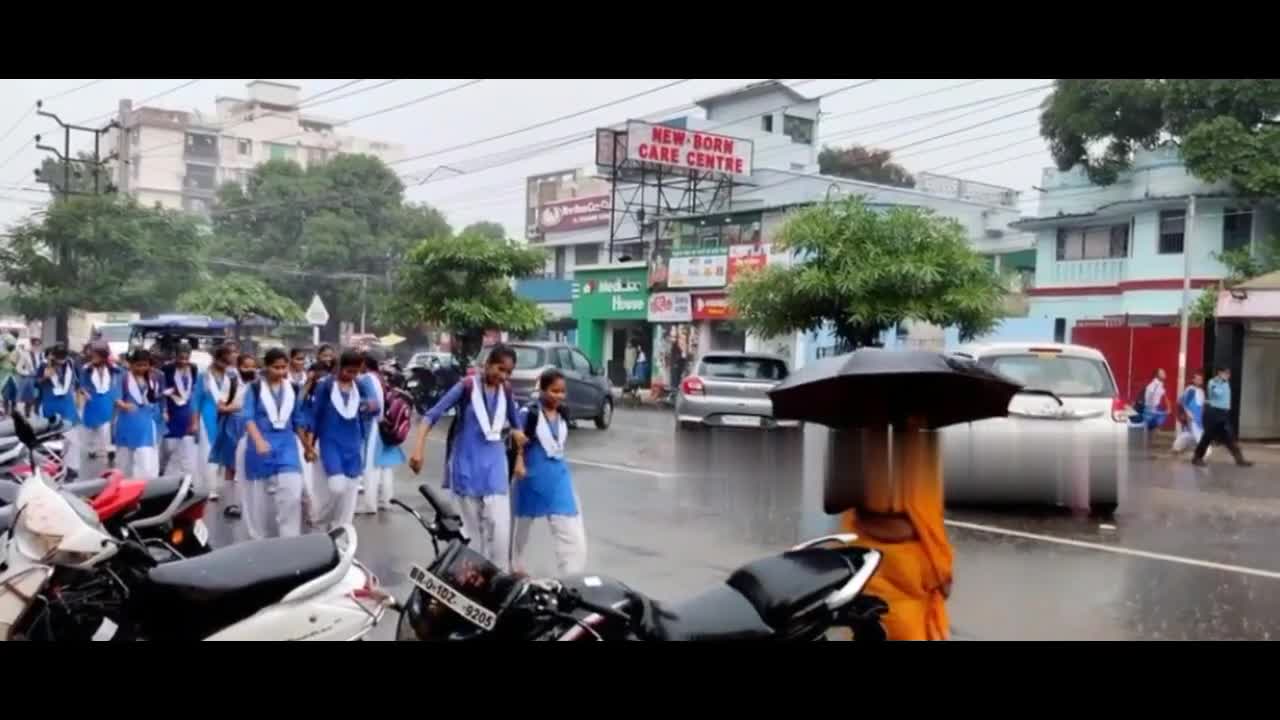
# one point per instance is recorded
(606, 466)
(1115, 549)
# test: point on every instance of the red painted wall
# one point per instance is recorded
(1134, 353)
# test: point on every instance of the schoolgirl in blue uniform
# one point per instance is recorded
(181, 426)
(544, 487)
(343, 406)
(231, 419)
(272, 482)
(137, 404)
(380, 461)
(99, 381)
(213, 389)
(58, 387)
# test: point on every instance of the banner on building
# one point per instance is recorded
(712, 307)
(689, 150)
(574, 213)
(698, 269)
(670, 307)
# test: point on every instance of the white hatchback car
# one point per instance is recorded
(1065, 441)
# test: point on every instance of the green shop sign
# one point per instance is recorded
(611, 294)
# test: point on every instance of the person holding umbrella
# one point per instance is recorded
(884, 475)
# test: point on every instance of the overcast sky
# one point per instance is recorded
(1005, 151)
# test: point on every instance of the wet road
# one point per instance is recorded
(1191, 553)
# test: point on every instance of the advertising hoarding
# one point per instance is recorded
(713, 306)
(670, 307)
(574, 213)
(697, 269)
(689, 150)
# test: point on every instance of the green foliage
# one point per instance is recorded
(55, 174)
(491, 230)
(240, 297)
(864, 271)
(868, 164)
(1241, 265)
(463, 284)
(118, 254)
(344, 216)
(1226, 129)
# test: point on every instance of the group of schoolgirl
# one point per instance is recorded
(286, 436)
(495, 493)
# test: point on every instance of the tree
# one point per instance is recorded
(1225, 129)
(1241, 266)
(861, 163)
(55, 174)
(240, 298)
(347, 215)
(100, 252)
(491, 230)
(863, 271)
(463, 284)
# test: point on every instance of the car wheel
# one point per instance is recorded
(605, 418)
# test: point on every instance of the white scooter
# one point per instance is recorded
(62, 575)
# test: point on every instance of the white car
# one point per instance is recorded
(1065, 441)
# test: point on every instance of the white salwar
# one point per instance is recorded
(570, 542)
(210, 473)
(487, 522)
(182, 456)
(96, 441)
(270, 507)
(139, 463)
(336, 500)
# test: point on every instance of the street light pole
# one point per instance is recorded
(1188, 236)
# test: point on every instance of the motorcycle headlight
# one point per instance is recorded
(42, 524)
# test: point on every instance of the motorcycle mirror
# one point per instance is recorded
(24, 431)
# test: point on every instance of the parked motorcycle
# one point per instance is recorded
(800, 595)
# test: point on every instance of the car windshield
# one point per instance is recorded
(528, 357)
(114, 333)
(744, 368)
(1063, 375)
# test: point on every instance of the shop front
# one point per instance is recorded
(610, 307)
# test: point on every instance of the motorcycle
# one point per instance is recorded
(63, 575)
(806, 594)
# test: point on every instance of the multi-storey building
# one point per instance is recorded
(178, 158)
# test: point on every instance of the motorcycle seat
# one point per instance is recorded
(192, 599)
(720, 613)
(158, 495)
(782, 586)
(86, 488)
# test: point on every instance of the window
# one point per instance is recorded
(1093, 243)
(201, 177)
(244, 147)
(203, 146)
(316, 156)
(798, 129)
(743, 368)
(564, 359)
(559, 263)
(766, 123)
(582, 364)
(1173, 228)
(586, 255)
(280, 152)
(1237, 229)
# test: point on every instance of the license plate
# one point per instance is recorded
(456, 601)
(201, 531)
(740, 420)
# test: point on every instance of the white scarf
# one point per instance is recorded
(349, 407)
(492, 428)
(101, 379)
(181, 394)
(554, 446)
(131, 385)
(298, 377)
(219, 390)
(278, 415)
(61, 385)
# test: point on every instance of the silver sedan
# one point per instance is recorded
(731, 389)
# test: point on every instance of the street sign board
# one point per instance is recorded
(317, 313)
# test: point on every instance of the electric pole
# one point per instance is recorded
(64, 156)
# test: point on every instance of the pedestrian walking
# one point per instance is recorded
(273, 464)
(325, 355)
(232, 433)
(1217, 420)
(181, 424)
(58, 390)
(544, 488)
(342, 405)
(1191, 415)
(137, 403)
(212, 391)
(312, 469)
(381, 459)
(476, 469)
(99, 387)
(25, 379)
(297, 374)
(8, 364)
(1155, 402)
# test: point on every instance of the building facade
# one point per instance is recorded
(177, 159)
(1122, 251)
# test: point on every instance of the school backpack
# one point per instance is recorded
(397, 416)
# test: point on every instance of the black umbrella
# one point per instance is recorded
(875, 388)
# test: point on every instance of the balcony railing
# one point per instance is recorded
(1085, 272)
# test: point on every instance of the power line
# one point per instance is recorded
(917, 96)
(76, 89)
(350, 94)
(322, 93)
(142, 102)
(939, 111)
